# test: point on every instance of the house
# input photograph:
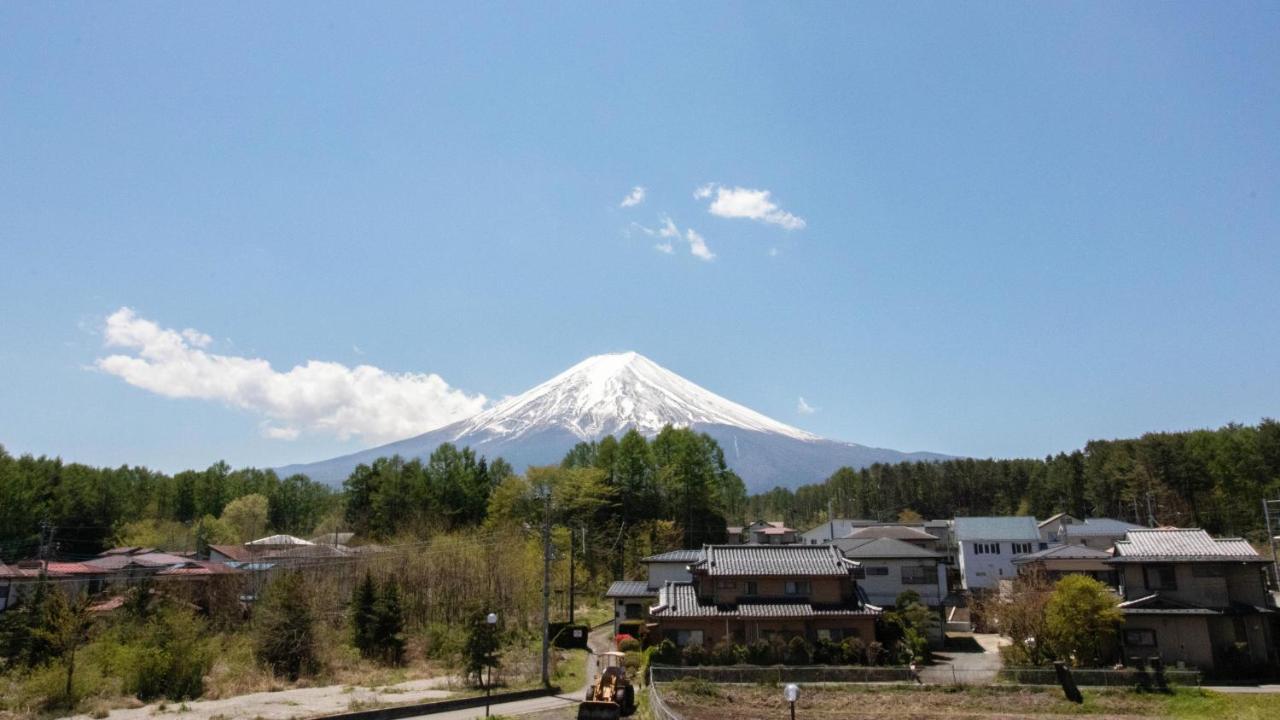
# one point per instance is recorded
(986, 547)
(277, 542)
(890, 566)
(72, 578)
(231, 554)
(762, 532)
(1051, 529)
(833, 529)
(744, 593)
(905, 533)
(134, 561)
(1097, 533)
(632, 598)
(1058, 561)
(1194, 599)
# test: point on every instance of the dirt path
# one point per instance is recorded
(292, 703)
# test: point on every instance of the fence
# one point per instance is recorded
(1098, 677)
(776, 674)
(658, 707)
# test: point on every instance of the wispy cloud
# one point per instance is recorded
(318, 397)
(748, 203)
(633, 198)
(805, 408)
(698, 245)
(665, 247)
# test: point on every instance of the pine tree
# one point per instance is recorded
(286, 641)
(364, 616)
(389, 624)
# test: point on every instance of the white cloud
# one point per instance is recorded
(318, 397)
(698, 245)
(665, 247)
(738, 202)
(633, 198)
(805, 408)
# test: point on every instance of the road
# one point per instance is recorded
(599, 641)
(966, 662)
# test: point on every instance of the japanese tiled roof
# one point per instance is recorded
(1063, 552)
(1182, 545)
(630, 589)
(684, 556)
(766, 560)
(680, 600)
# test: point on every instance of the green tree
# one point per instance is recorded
(1082, 619)
(284, 631)
(389, 624)
(248, 516)
(364, 616)
(481, 648)
(65, 629)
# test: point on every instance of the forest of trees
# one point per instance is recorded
(1214, 479)
(631, 494)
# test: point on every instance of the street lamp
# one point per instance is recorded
(792, 693)
(492, 619)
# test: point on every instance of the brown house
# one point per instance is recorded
(1190, 598)
(744, 593)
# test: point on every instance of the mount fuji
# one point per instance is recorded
(610, 394)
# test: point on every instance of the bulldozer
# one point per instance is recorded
(611, 696)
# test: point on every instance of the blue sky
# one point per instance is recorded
(1024, 225)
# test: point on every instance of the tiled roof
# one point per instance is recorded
(789, 560)
(684, 556)
(146, 560)
(198, 567)
(680, 600)
(1182, 545)
(32, 569)
(885, 547)
(1100, 527)
(839, 527)
(630, 589)
(1063, 552)
(997, 528)
(898, 532)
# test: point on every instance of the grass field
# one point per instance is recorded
(705, 701)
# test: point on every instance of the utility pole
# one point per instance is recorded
(546, 587)
(1151, 516)
(831, 520)
(572, 563)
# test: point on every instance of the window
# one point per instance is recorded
(915, 575)
(688, 637)
(723, 584)
(1140, 638)
(1208, 571)
(986, 548)
(1160, 577)
(1021, 548)
(634, 611)
(753, 588)
(797, 587)
(832, 634)
(877, 571)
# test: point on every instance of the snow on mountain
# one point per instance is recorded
(609, 394)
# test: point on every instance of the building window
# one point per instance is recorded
(986, 548)
(688, 637)
(634, 611)
(832, 634)
(1021, 548)
(1140, 638)
(915, 575)
(797, 587)
(877, 571)
(753, 588)
(1160, 577)
(723, 584)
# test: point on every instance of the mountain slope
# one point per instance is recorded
(609, 394)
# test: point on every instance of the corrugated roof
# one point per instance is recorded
(885, 547)
(239, 553)
(680, 600)
(1063, 552)
(200, 567)
(1182, 545)
(899, 532)
(997, 528)
(146, 560)
(684, 556)
(759, 560)
(630, 589)
(1100, 527)
(279, 540)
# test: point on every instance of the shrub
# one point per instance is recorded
(854, 651)
(666, 653)
(726, 653)
(828, 652)
(760, 652)
(798, 652)
(1081, 620)
(694, 654)
(285, 629)
(875, 653)
(629, 645)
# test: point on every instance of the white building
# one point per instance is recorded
(632, 598)
(986, 547)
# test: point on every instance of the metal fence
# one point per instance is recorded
(658, 707)
(776, 674)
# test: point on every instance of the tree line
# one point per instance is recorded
(1214, 479)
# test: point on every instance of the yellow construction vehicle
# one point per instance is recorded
(611, 696)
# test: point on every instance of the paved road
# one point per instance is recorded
(976, 665)
(598, 641)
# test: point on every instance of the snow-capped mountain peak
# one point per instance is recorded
(608, 394)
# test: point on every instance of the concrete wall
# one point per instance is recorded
(1182, 638)
(986, 570)
(884, 589)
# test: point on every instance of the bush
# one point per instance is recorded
(629, 645)
(875, 653)
(799, 652)
(285, 630)
(854, 651)
(694, 654)
(666, 653)
(726, 653)
(828, 652)
(760, 652)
